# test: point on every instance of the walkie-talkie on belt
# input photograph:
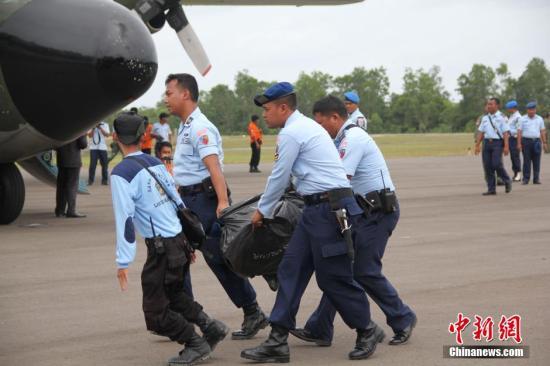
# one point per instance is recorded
(387, 198)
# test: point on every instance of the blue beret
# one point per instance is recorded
(511, 104)
(531, 105)
(274, 92)
(352, 96)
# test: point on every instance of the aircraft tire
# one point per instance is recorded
(12, 193)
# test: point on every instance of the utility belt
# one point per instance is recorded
(332, 196)
(531, 138)
(384, 200)
(490, 141)
(205, 186)
(169, 246)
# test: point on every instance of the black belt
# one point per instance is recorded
(192, 189)
(532, 138)
(334, 194)
(492, 140)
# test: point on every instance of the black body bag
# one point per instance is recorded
(252, 251)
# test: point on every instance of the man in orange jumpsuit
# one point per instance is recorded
(147, 142)
(255, 133)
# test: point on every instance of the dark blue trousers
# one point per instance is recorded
(317, 246)
(239, 289)
(515, 155)
(100, 155)
(492, 162)
(370, 237)
(532, 150)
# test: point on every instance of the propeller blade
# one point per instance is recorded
(189, 40)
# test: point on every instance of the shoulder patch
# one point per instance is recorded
(204, 139)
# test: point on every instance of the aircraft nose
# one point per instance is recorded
(67, 64)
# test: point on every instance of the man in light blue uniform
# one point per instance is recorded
(494, 132)
(304, 150)
(367, 170)
(530, 133)
(198, 172)
(144, 197)
(351, 100)
(513, 121)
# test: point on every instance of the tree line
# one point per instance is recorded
(423, 106)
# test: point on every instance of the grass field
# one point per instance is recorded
(237, 149)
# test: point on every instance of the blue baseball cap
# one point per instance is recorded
(274, 92)
(511, 104)
(352, 96)
(531, 105)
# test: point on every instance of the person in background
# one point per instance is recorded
(69, 162)
(98, 151)
(351, 100)
(494, 132)
(531, 132)
(255, 133)
(161, 131)
(166, 156)
(147, 143)
(514, 118)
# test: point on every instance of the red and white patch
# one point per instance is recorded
(204, 139)
(342, 153)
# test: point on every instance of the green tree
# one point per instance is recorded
(246, 88)
(220, 106)
(310, 88)
(421, 106)
(475, 87)
(534, 85)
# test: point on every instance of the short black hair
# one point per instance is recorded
(330, 104)
(133, 110)
(186, 81)
(290, 100)
(165, 144)
(254, 118)
(163, 115)
(497, 101)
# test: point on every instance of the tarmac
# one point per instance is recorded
(453, 251)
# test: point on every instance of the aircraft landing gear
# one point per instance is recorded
(12, 193)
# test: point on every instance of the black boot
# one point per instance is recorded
(213, 331)
(366, 342)
(196, 349)
(254, 320)
(272, 281)
(273, 350)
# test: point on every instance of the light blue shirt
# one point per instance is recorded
(197, 138)
(362, 160)
(359, 119)
(531, 127)
(498, 121)
(305, 150)
(513, 123)
(137, 200)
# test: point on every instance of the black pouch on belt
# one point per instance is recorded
(209, 189)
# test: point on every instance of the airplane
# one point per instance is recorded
(67, 64)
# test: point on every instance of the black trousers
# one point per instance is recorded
(168, 310)
(255, 158)
(100, 155)
(67, 186)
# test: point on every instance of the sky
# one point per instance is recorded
(277, 43)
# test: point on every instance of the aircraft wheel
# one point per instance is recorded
(12, 193)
